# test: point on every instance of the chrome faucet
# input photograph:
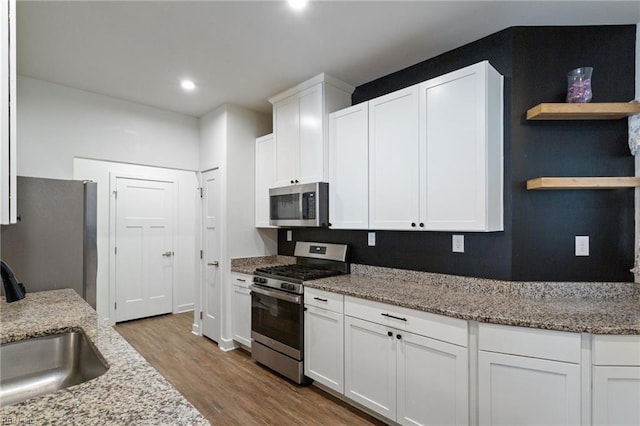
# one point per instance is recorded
(13, 290)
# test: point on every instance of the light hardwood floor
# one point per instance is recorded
(228, 388)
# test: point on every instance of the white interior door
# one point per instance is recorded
(212, 275)
(143, 252)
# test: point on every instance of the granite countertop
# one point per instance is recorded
(130, 392)
(598, 308)
(248, 265)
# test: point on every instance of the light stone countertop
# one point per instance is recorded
(598, 308)
(130, 392)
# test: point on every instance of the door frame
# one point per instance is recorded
(113, 177)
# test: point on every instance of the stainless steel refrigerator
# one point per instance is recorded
(53, 245)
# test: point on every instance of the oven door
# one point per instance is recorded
(277, 320)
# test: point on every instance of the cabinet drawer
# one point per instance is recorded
(616, 350)
(324, 299)
(530, 342)
(241, 280)
(439, 327)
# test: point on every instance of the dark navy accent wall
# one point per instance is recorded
(546, 222)
(538, 240)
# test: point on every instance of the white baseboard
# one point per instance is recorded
(184, 308)
(195, 329)
(227, 345)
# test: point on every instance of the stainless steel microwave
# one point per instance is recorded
(300, 205)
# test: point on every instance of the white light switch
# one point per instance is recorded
(457, 243)
(582, 245)
(289, 235)
(371, 239)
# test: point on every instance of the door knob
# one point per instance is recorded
(213, 263)
(167, 254)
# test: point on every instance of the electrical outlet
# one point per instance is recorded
(371, 239)
(289, 235)
(457, 242)
(582, 245)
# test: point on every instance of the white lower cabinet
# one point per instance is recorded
(432, 382)
(241, 308)
(616, 380)
(528, 376)
(324, 338)
(517, 390)
(370, 366)
(404, 376)
(414, 368)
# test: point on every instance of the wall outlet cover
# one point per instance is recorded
(371, 239)
(457, 243)
(582, 245)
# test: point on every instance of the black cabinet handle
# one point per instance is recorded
(391, 316)
(413, 224)
(291, 181)
(389, 333)
(399, 336)
(322, 300)
(421, 225)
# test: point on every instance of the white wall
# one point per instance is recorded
(227, 141)
(61, 129)
(243, 127)
(57, 123)
(186, 248)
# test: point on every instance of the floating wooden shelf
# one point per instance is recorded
(586, 111)
(583, 182)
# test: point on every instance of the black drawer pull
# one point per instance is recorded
(391, 316)
(322, 300)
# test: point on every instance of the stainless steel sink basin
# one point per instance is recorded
(40, 365)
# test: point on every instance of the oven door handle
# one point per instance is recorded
(277, 294)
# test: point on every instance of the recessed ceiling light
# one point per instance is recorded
(297, 4)
(187, 84)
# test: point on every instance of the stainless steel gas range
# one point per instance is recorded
(277, 305)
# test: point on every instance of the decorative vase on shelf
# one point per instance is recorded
(579, 85)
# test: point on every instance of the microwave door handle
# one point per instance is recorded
(276, 294)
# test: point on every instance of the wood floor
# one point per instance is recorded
(228, 388)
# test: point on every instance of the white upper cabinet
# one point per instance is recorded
(435, 157)
(394, 161)
(300, 125)
(264, 179)
(349, 168)
(8, 162)
(461, 133)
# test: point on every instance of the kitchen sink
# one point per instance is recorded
(40, 365)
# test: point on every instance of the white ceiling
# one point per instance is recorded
(244, 52)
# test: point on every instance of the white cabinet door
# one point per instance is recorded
(516, 390)
(311, 150)
(264, 179)
(241, 309)
(394, 160)
(349, 168)
(324, 347)
(286, 118)
(616, 395)
(461, 130)
(370, 366)
(433, 387)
